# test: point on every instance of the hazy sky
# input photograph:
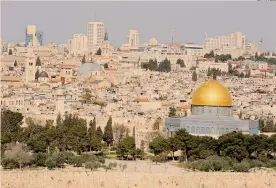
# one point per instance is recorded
(60, 20)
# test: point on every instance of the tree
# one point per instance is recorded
(194, 76)
(59, 120)
(173, 145)
(119, 131)
(10, 52)
(232, 145)
(83, 59)
(15, 63)
(241, 58)
(99, 132)
(10, 126)
(87, 96)
(156, 124)
(37, 75)
(92, 127)
(19, 153)
(108, 133)
(106, 65)
(184, 140)
(93, 165)
(127, 147)
(165, 66)
(172, 112)
(99, 51)
(180, 62)
(38, 61)
(159, 145)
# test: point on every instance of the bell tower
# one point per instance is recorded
(106, 46)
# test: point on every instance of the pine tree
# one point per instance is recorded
(99, 132)
(99, 52)
(10, 52)
(108, 132)
(15, 63)
(172, 112)
(83, 59)
(92, 127)
(38, 62)
(59, 120)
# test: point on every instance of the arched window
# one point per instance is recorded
(203, 130)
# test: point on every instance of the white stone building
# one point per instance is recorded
(95, 35)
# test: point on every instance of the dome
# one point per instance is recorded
(212, 93)
(43, 74)
(87, 67)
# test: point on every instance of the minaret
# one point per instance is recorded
(60, 101)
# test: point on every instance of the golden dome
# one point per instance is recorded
(212, 93)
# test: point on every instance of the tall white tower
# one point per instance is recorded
(95, 35)
(30, 68)
(60, 103)
(106, 46)
(133, 39)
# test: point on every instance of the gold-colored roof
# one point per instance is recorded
(212, 93)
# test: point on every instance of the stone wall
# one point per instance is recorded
(87, 179)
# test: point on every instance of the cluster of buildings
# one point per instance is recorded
(114, 84)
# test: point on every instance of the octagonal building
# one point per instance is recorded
(211, 113)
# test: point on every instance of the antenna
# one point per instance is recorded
(206, 37)
(261, 45)
(173, 34)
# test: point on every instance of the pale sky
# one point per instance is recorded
(60, 20)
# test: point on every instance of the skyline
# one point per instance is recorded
(187, 29)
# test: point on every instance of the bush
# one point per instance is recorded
(243, 166)
(112, 165)
(59, 159)
(89, 157)
(212, 163)
(93, 165)
(257, 163)
(202, 165)
(39, 159)
(76, 161)
(51, 163)
(8, 163)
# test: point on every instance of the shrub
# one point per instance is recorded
(243, 166)
(257, 163)
(202, 165)
(93, 165)
(212, 163)
(76, 161)
(51, 163)
(9, 163)
(39, 159)
(59, 159)
(112, 165)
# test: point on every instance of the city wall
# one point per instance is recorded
(110, 179)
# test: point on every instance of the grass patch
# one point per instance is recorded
(181, 165)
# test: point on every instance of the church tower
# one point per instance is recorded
(30, 68)
(106, 46)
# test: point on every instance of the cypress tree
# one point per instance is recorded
(99, 132)
(38, 62)
(108, 132)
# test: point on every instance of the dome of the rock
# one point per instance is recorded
(212, 93)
